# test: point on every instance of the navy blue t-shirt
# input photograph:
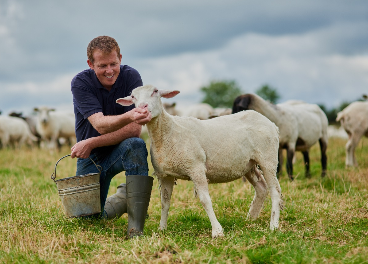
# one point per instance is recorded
(90, 97)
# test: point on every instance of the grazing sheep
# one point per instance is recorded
(171, 109)
(336, 132)
(354, 119)
(301, 126)
(217, 150)
(31, 121)
(218, 111)
(53, 125)
(16, 131)
(17, 114)
(201, 111)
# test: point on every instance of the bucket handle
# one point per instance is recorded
(53, 176)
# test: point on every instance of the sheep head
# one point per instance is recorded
(147, 96)
(43, 113)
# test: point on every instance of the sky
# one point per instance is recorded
(311, 50)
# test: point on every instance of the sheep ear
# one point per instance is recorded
(168, 94)
(126, 101)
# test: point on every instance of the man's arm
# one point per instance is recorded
(83, 148)
(107, 124)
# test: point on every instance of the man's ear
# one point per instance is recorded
(126, 101)
(90, 64)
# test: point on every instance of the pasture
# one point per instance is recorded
(324, 220)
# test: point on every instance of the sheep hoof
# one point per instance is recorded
(291, 178)
(323, 174)
(308, 175)
(217, 233)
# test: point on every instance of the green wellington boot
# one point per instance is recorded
(138, 197)
(116, 204)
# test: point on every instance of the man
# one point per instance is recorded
(108, 133)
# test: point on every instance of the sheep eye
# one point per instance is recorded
(155, 91)
(132, 96)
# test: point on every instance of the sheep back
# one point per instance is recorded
(222, 146)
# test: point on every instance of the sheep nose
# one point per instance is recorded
(143, 105)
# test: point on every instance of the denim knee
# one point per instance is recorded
(135, 157)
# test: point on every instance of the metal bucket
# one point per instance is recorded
(80, 194)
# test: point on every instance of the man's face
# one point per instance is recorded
(106, 67)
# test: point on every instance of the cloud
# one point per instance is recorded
(299, 66)
(315, 50)
(23, 97)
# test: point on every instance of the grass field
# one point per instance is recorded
(324, 220)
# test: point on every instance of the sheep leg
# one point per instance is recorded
(21, 141)
(255, 177)
(5, 139)
(281, 161)
(350, 149)
(167, 185)
(323, 147)
(276, 197)
(201, 188)
(54, 142)
(306, 163)
(289, 163)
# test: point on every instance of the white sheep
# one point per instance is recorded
(53, 125)
(31, 121)
(217, 150)
(336, 132)
(354, 119)
(220, 111)
(171, 109)
(301, 126)
(201, 111)
(15, 130)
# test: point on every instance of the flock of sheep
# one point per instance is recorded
(301, 124)
(207, 145)
(45, 127)
(244, 144)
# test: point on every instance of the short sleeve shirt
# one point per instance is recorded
(90, 97)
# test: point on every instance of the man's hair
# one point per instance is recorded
(104, 43)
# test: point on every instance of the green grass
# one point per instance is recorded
(324, 220)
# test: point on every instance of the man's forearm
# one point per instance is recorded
(109, 124)
(113, 138)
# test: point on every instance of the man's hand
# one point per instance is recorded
(82, 149)
(141, 116)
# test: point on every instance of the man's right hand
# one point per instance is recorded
(82, 149)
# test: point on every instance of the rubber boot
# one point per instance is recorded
(138, 197)
(116, 204)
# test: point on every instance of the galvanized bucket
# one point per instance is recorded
(80, 194)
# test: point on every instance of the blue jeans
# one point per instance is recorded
(129, 156)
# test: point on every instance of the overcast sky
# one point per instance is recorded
(311, 50)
